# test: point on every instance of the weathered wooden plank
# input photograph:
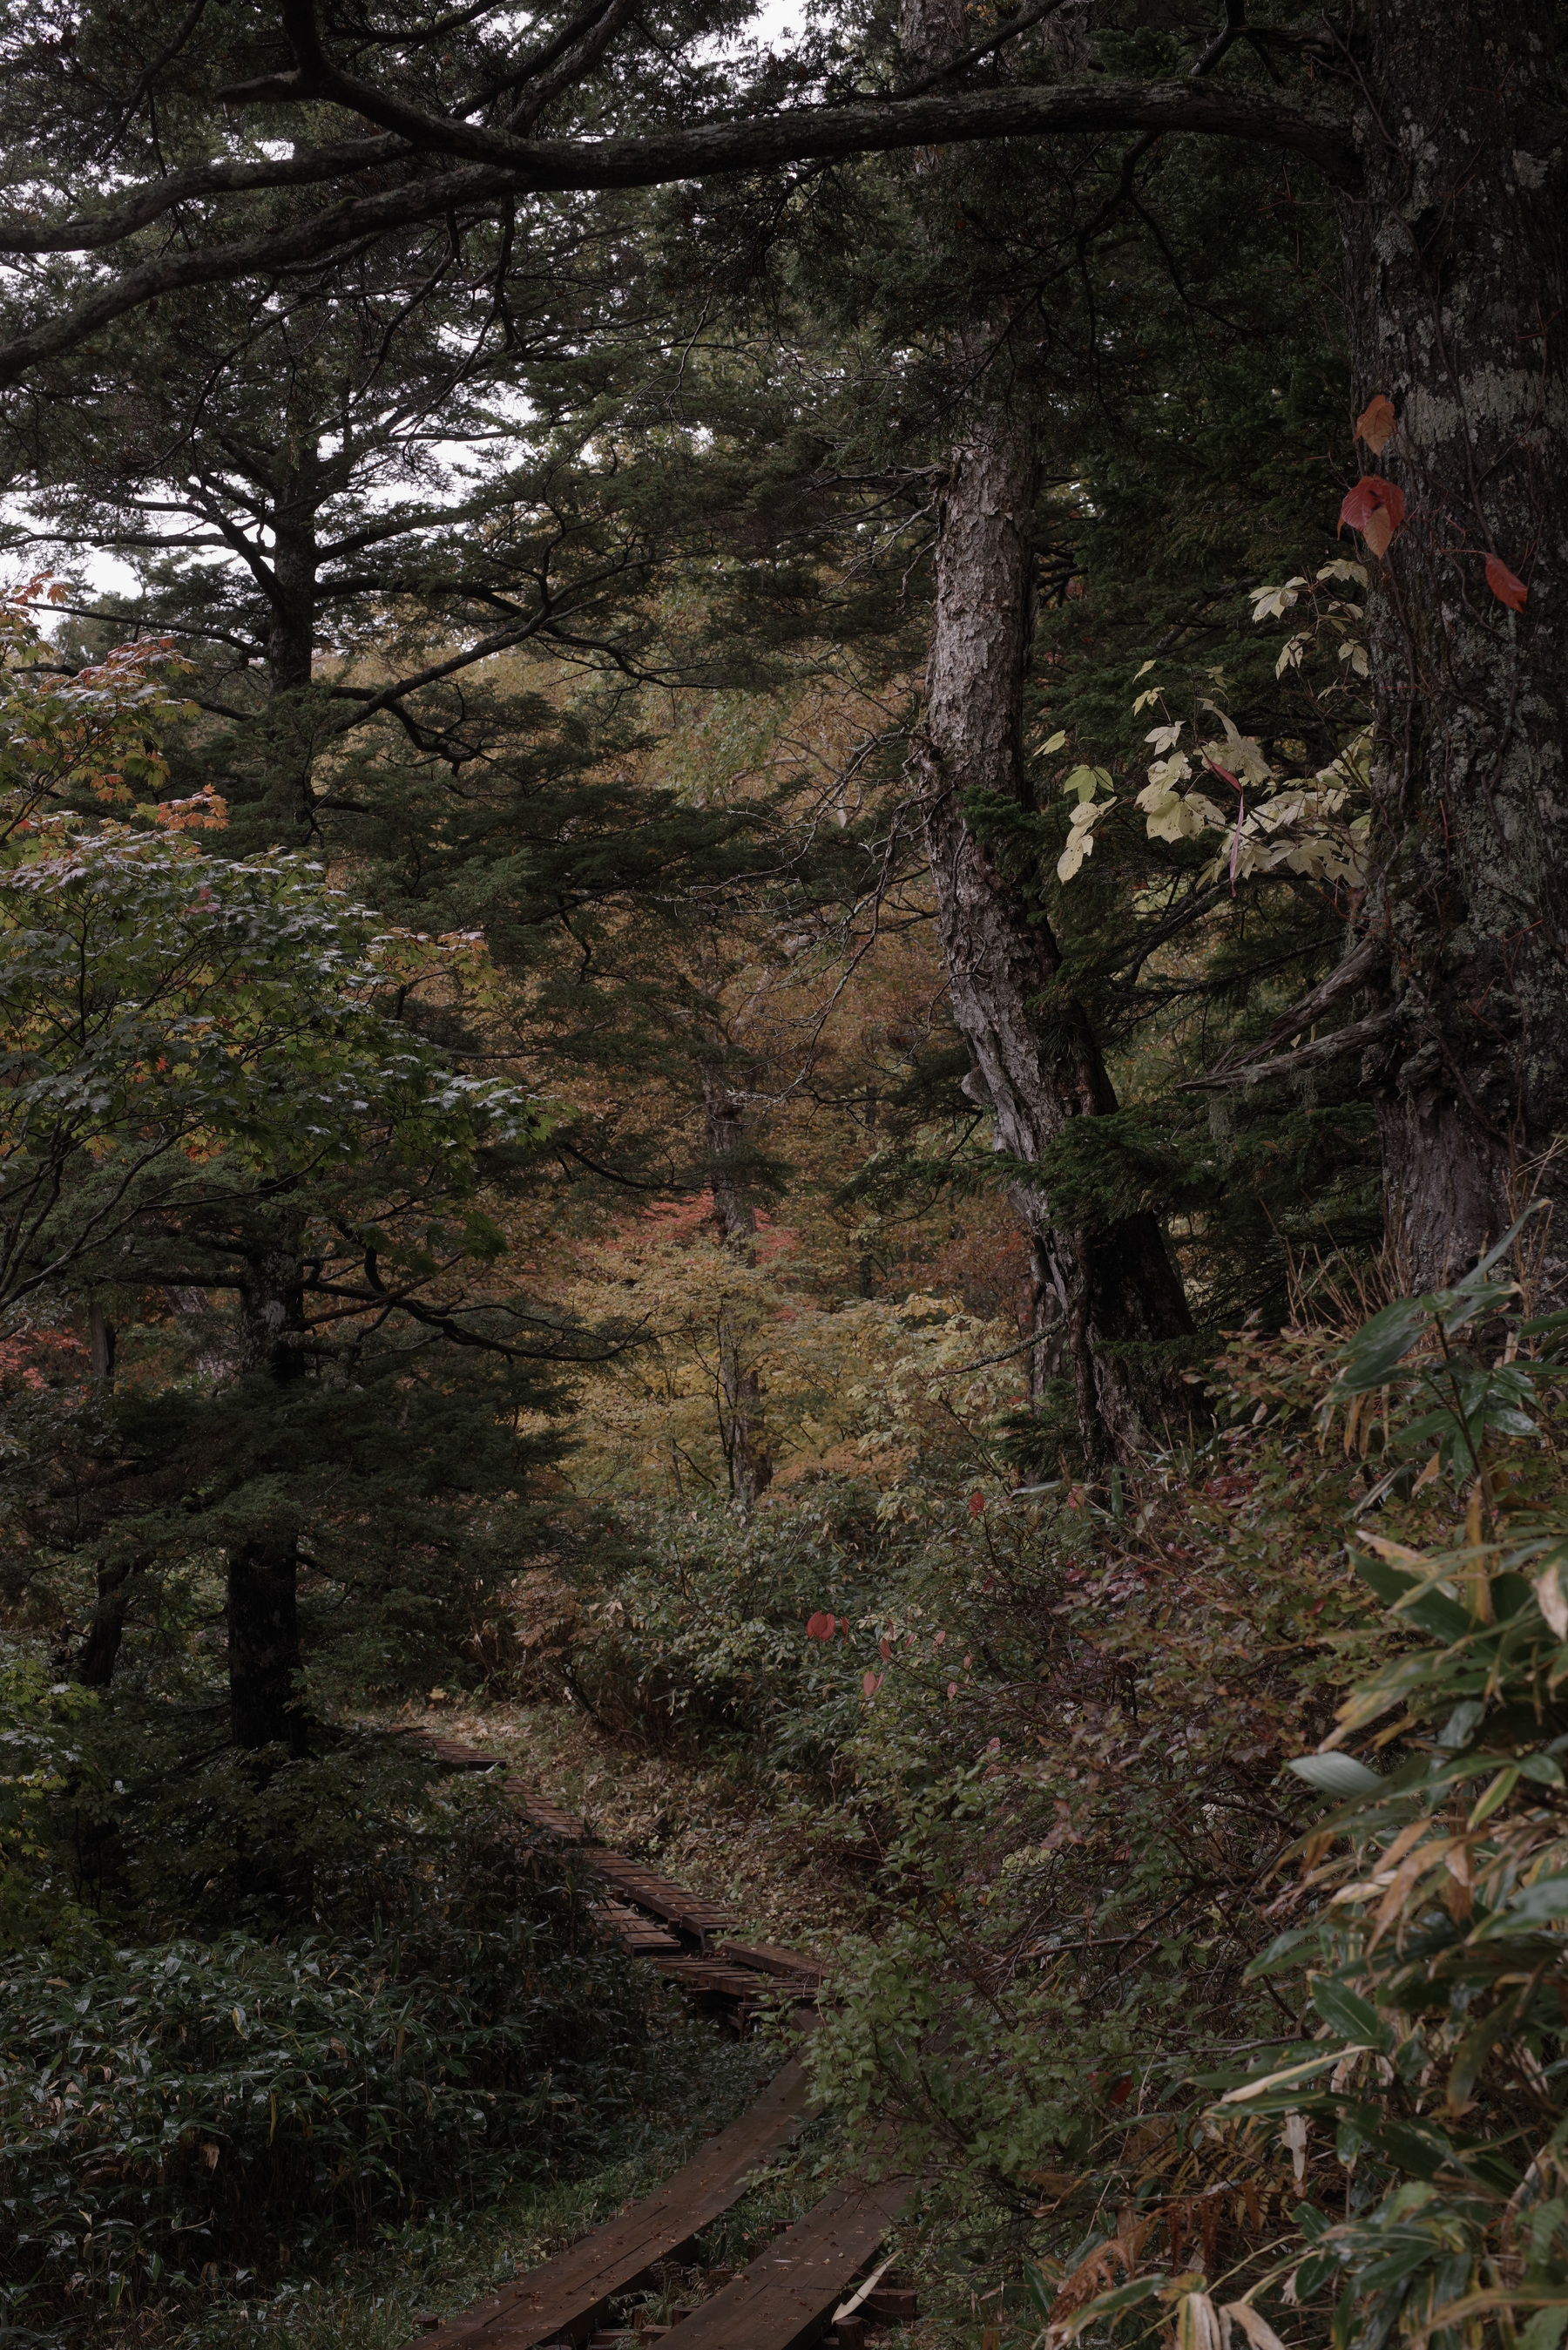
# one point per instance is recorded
(564, 2299)
(782, 2300)
(650, 1891)
(770, 1959)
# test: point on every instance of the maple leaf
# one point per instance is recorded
(1505, 585)
(1376, 423)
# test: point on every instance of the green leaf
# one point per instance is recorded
(1337, 1774)
(1495, 1797)
(1121, 2296)
(1544, 2330)
(1378, 1348)
(1352, 2016)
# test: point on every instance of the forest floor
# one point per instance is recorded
(716, 1828)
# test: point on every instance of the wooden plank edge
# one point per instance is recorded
(757, 2135)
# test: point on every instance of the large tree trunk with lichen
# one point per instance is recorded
(1456, 257)
(1121, 1302)
(743, 1425)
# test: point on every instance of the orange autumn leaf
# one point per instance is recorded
(1505, 585)
(1378, 532)
(1376, 423)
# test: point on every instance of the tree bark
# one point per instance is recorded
(263, 1645)
(295, 560)
(94, 1662)
(1034, 1048)
(1457, 264)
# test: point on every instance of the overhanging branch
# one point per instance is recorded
(500, 166)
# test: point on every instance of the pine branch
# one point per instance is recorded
(500, 166)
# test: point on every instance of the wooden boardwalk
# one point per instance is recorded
(566, 2298)
(784, 2300)
(678, 1933)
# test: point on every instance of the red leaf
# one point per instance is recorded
(1376, 423)
(976, 1502)
(868, 1684)
(1119, 2094)
(1505, 586)
(1365, 498)
(884, 1650)
(953, 1689)
(820, 1627)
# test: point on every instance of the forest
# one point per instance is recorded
(783, 1012)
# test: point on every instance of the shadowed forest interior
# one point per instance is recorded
(783, 913)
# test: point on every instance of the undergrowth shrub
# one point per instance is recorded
(173, 2112)
(1196, 2060)
(1426, 1934)
(696, 1639)
(1072, 1761)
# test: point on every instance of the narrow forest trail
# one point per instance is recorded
(787, 2298)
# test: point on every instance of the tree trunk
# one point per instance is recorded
(263, 1646)
(1457, 298)
(1032, 1048)
(743, 1424)
(295, 558)
(264, 1655)
(94, 1662)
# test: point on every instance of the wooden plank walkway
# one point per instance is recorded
(681, 1934)
(564, 2300)
(785, 2299)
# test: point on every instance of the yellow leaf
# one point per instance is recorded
(1398, 1553)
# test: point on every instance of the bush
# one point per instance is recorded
(174, 2111)
(699, 1638)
